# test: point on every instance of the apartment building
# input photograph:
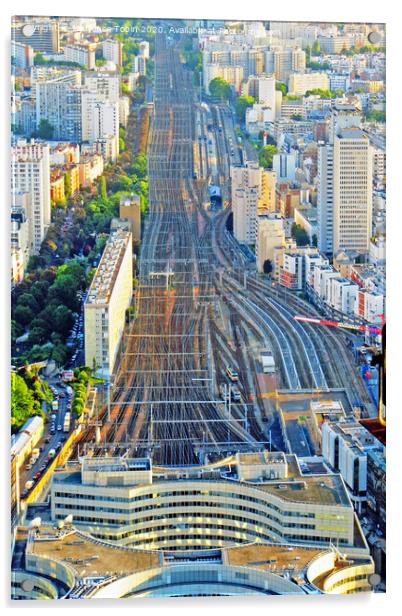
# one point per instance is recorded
(270, 235)
(108, 299)
(300, 83)
(130, 209)
(58, 101)
(22, 55)
(84, 55)
(112, 50)
(284, 61)
(100, 118)
(232, 74)
(250, 195)
(30, 173)
(107, 85)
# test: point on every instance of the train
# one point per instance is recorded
(26, 439)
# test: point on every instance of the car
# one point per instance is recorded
(59, 428)
(52, 430)
(28, 467)
(47, 439)
(24, 493)
(62, 395)
(37, 476)
(42, 468)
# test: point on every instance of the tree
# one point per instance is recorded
(37, 335)
(23, 315)
(266, 156)
(299, 234)
(22, 403)
(220, 88)
(316, 48)
(67, 185)
(45, 130)
(267, 267)
(122, 182)
(39, 59)
(103, 191)
(242, 103)
(282, 87)
(63, 320)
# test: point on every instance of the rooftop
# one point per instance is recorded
(91, 557)
(105, 277)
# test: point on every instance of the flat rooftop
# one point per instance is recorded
(90, 557)
(105, 277)
(270, 557)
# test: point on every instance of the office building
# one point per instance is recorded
(108, 299)
(140, 65)
(352, 191)
(41, 34)
(30, 173)
(130, 209)
(345, 176)
(112, 50)
(345, 447)
(266, 500)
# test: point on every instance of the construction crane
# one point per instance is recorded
(374, 426)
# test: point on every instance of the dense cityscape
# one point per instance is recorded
(198, 214)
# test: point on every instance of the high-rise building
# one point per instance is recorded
(41, 34)
(108, 299)
(22, 55)
(144, 49)
(81, 54)
(105, 84)
(284, 61)
(345, 175)
(140, 65)
(246, 190)
(112, 50)
(284, 166)
(231, 74)
(100, 118)
(352, 202)
(130, 209)
(58, 101)
(30, 173)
